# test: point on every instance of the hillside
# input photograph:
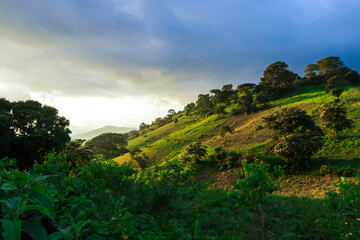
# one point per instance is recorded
(106, 129)
(168, 141)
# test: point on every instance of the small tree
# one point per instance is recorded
(225, 130)
(220, 110)
(336, 93)
(296, 136)
(333, 118)
(140, 159)
(246, 102)
(194, 152)
(112, 144)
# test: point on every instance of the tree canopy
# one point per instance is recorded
(112, 144)
(30, 130)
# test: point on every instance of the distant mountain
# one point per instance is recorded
(106, 129)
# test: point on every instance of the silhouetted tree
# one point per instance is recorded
(110, 144)
(277, 79)
(352, 77)
(30, 130)
(204, 105)
(246, 102)
(331, 66)
(189, 108)
(311, 70)
(336, 93)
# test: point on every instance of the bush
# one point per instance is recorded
(222, 159)
(340, 218)
(256, 183)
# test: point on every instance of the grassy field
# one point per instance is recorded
(168, 141)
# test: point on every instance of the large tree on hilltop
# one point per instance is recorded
(30, 130)
(331, 66)
(277, 79)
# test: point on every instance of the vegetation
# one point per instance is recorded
(202, 173)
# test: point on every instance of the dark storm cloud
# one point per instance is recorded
(171, 48)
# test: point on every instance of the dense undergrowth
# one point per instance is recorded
(106, 200)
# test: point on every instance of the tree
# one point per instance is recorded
(143, 126)
(333, 118)
(111, 144)
(194, 152)
(220, 110)
(311, 70)
(352, 77)
(277, 79)
(331, 66)
(30, 130)
(331, 84)
(204, 105)
(246, 102)
(246, 88)
(189, 108)
(296, 136)
(336, 93)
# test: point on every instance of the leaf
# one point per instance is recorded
(55, 236)
(8, 186)
(41, 209)
(35, 231)
(11, 229)
(79, 226)
(7, 203)
(38, 179)
(23, 177)
(44, 201)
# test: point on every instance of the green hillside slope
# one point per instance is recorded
(168, 141)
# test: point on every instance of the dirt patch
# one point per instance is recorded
(291, 185)
(308, 186)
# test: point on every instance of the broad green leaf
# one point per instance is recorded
(7, 203)
(35, 231)
(41, 178)
(55, 236)
(79, 226)
(44, 201)
(11, 229)
(24, 178)
(41, 209)
(8, 186)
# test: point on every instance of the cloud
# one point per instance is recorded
(174, 49)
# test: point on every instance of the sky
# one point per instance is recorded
(123, 62)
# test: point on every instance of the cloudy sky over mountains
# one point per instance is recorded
(122, 62)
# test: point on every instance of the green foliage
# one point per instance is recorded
(246, 102)
(194, 153)
(26, 203)
(332, 170)
(352, 77)
(296, 137)
(331, 66)
(333, 118)
(29, 130)
(222, 159)
(111, 144)
(256, 183)
(340, 219)
(297, 148)
(204, 104)
(276, 80)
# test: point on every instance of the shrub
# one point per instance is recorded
(222, 159)
(256, 183)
